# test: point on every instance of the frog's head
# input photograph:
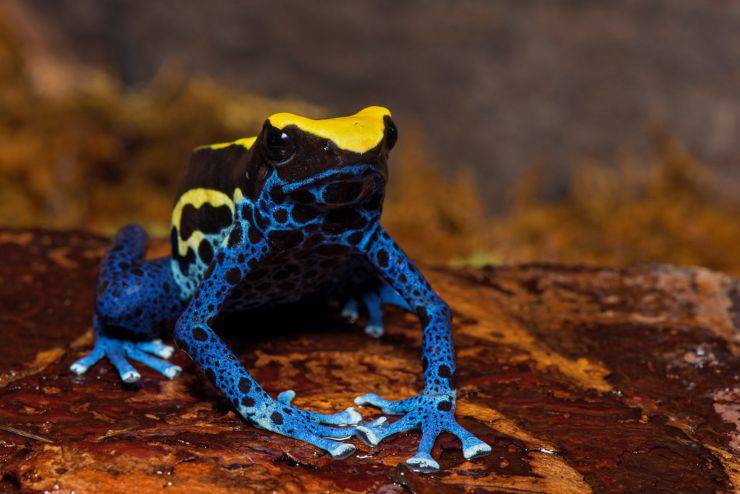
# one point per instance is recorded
(325, 164)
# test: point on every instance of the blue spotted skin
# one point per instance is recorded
(304, 228)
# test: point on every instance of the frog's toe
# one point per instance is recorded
(125, 370)
(432, 414)
(162, 366)
(350, 416)
(328, 439)
(80, 366)
(350, 311)
(156, 347)
(374, 432)
(374, 330)
(422, 463)
(386, 406)
(372, 301)
(119, 351)
(302, 425)
(286, 397)
(337, 450)
(476, 450)
(471, 445)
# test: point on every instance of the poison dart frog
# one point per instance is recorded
(289, 215)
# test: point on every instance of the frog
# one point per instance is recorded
(291, 215)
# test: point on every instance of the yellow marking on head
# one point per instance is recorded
(245, 142)
(196, 198)
(358, 133)
(238, 195)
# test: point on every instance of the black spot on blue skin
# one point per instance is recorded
(285, 239)
(211, 375)
(205, 251)
(137, 272)
(209, 271)
(355, 238)
(277, 195)
(276, 418)
(207, 219)
(199, 334)
(303, 197)
(444, 406)
(281, 215)
(184, 262)
(102, 287)
(382, 257)
(423, 315)
(260, 220)
(444, 371)
(244, 385)
(236, 235)
(233, 276)
(424, 363)
(247, 402)
(254, 234)
(304, 214)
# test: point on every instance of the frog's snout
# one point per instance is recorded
(349, 191)
(346, 188)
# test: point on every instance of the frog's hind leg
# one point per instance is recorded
(134, 296)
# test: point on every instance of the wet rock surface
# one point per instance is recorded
(581, 379)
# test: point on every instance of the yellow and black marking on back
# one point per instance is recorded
(204, 209)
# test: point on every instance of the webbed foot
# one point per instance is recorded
(307, 426)
(118, 351)
(373, 301)
(432, 413)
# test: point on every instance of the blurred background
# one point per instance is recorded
(566, 130)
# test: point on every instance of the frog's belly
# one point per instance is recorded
(287, 281)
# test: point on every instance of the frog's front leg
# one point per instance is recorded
(433, 410)
(235, 259)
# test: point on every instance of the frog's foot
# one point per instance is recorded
(118, 351)
(373, 301)
(432, 414)
(281, 417)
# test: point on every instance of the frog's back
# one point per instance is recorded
(204, 208)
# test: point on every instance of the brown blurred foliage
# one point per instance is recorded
(99, 156)
(664, 211)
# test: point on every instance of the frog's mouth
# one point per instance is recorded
(338, 188)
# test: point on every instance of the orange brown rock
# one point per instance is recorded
(582, 379)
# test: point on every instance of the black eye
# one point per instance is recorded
(279, 147)
(391, 133)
